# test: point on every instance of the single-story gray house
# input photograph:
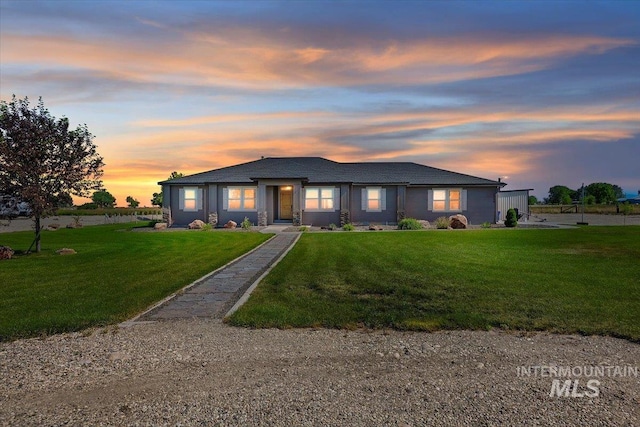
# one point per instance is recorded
(318, 191)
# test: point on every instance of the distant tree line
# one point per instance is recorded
(595, 193)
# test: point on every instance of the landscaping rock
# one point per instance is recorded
(373, 227)
(458, 221)
(53, 226)
(160, 226)
(231, 224)
(6, 252)
(66, 251)
(424, 223)
(196, 225)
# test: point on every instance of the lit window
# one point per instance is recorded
(319, 199)
(454, 200)
(447, 200)
(439, 200)
(190, 199)
(374, 199)
(241, 198)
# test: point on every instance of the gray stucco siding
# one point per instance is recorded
(359, 213)
(321, 218)
(480, 204)
(181, 217)
(225, 215)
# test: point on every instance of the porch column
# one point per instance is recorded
(213, 204)
(297, 204)
(401, 212)
(261, 204)
(345, 204)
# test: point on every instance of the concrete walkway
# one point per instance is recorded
(216, 293)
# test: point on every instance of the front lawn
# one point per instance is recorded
(583, 280)
(115, 274)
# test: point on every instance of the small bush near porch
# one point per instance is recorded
(570, 281)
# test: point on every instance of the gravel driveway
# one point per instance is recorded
(202, 372)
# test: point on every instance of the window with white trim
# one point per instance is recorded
(190, 199)
(374, 199)
(447, 200)
(241, 199)
(319, 199)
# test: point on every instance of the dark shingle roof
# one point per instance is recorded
(320, 170)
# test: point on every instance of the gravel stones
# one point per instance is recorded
(200, 371)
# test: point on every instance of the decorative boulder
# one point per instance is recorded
(374, 227)
(65, 251)
(424, 223)
(231, 224)
(6, 252)
(196, 225)
(160, 226)
(53, 226)
(458, 221)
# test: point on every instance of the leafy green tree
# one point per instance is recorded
(133, 203)
(559, 194)
(42, 160)
(602, 191)
(63, 200)
(158, 197)
(533, 200)
(590, 199)
(103, 199)
(618, 192)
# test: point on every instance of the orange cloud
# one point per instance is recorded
(253, 60)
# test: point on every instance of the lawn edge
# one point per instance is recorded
(245, 297)
(134, 319)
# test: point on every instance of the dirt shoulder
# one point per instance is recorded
(27, 224)
(196, 372)
(592, 219)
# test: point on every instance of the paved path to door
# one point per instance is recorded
(215, 294)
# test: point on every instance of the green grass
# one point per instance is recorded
(583, 280)
(115, 274)
(108, 211)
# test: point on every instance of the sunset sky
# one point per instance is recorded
(538, 93)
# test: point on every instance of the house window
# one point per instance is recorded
(191, 199)
(446, 200)
(319, 199)
(241, 198)
(373, 199)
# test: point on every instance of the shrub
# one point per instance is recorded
(442, 223)
(246, 224)
(88, 206)
(486, 224)
(409, 224)
(512, 218)
(332, 227)
(348, 227)
(207, 227)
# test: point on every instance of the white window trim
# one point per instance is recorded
(463, 200)
(242, 189)
(334, 195)
(183, 199)
(365, 199)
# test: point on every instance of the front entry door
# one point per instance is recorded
(286, 202)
